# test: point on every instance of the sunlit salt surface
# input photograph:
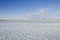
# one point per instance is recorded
(29, 31)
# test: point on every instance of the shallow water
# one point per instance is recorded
(29, 31)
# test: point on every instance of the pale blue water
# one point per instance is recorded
(29, 31)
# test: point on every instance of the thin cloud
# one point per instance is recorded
(43, 13)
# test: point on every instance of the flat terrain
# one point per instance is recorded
(29, 20)
(30, 31)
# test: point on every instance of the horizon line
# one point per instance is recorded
(30, 20)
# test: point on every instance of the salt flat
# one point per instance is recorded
(29, 31)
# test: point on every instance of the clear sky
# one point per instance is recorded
(29, 9)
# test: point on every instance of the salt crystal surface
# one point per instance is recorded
(29, 31)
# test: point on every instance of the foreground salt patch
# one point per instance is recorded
(29, 31)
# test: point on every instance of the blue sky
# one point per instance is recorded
(29, 9)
